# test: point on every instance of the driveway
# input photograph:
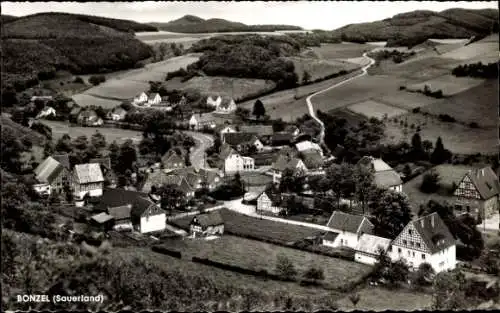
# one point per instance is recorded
(203, 142)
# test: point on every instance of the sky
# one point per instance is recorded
(308, 15)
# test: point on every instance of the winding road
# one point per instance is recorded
(309, 103)
(197, 155)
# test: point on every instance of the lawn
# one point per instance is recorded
(378, 110)
(319, 69)
(239, 88)
(380, 299)
(243, 225)
(334, 51)
(448, 84)
(84, 100)
(111, 134)
(258, 255)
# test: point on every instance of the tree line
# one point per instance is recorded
(477, 70)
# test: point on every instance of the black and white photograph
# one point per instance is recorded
(250, 156)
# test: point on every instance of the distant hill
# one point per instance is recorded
(36, 46)
(413, 28)
(194, 24)
(7, 18)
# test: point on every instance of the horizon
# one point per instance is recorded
(337, 14)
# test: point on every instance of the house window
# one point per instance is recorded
(423, 256)
(411, 243)
(409, 253)
(409, 231)
(405, 242)
(399, 250)
(413, 254)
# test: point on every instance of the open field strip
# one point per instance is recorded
(332, 51)
(371, 108)
(474, 50)
(320, 68)
(405, 100)
(448, 84)
(87, 100)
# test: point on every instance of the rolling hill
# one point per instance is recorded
(413, 28)
(7, 18)
(36, 46)
(194, 24)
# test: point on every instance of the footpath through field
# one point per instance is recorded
(309, 103)
(197, 155)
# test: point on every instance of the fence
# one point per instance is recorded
(163, 250)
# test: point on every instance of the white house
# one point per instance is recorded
(226, 106)
(233, 162)
(147, 216)
(214, 103)
(269, 202)
(385, 177)
(293, 130)
(308, 145)
(200, 121)
(349, 227)
(47, 111)
(225, 129)
(369, 247)
(87, 180)
(117, 114)
(206, 224)
(285, 162)
(425, 240)
(140, 99)
(154, 99)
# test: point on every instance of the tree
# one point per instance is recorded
(291, 181)
(258, 109)
(98, 140)
(363, 183)
(306, 78)
(114, 154)
(78, 80)
(238, 183)
(12, 148)
(97, 79)
(81, 143)
(417, 151)
(424, 275)
(354, 298)
(391, 213)
(440, 154)
(64, 144)
(430, 182)
(278, 125)
(314, 274)
(285, 268)
(127, 156)
(448, 291)
(171, 197)
(341, 178)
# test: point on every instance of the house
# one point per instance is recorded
(242, 142)
(385, 177)
(201, 121)
(63, 159)
(214, 103)
(224, 129)
(154, 99)
(52, 176)
(87, 180)
(349, 227)
(102, 221)
(312, 159)
(122, 216)
(269, 202)
(369, 247)
(117, 114)
(233, 162)
(89, 118)
(292, 130)
(147, 216)
(110, 178)
(478, 193)
(171, 160)
(281, 139)
(261, 131)
(46, 112)
(226, 106)
(159, 178)
(206, 224)
(285, 162)
(425, 240)
(140, 99)
(74, 113)
(211, 178)
(308, 145)
(329, 238)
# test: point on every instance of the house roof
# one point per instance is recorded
(259, 130)
(291, 128)
(282, 137)
(213, 218)
(306, 145)
(143, 206)
(220, 127)
(434, 232)
(226, 102)
(152, 95)
(237, 138)
(330, 236)
(486, 182)
(208, 175)
(312, 159)
(226, 152)
(63, 159)
(88, 173)
(349, 223)
(119, 110)
(204, 117)
(88, 113)
(102, 218)
(48, 170)
(156, 178)
(172, 158)
(275, 197)
(105, 162)
(75, 111)
(371, 244)
(386, 179)
(121, 212)
(284, 162)
(184, 186)
(117, 197)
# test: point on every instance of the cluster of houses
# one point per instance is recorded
(154, 100)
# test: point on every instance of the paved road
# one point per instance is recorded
(203, 142)
(309, 103)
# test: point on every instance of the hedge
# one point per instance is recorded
(163, 250)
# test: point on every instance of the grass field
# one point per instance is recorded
(474, 50)
(371, 108)
(449, 84)
(84, 100)
(236, 223)
(332, 51)
(223, 86)
(318, 68)
(111, 134)
(352, 118)
(381, 299)
(258, 255)
(405, 100)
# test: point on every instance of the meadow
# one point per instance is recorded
(405, 100)
(474, 50)
(334, 51)
(319, 69)
(448, 84)
(375, 109)
(84, 100)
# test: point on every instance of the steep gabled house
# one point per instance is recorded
(270, 203)
(224, 129)
(51, 177)
(232, 162)
(385, 177)
(425, 240)
(110, 178)
(89, 118)
(308, 145)
(214, 103)
(478, 193)
(172, 160)
(46, 112)
(242, 141)
(349, 227)
(140, 99)
(284, 162)
(154, 99)
(206, 224)
(147, 216)
(87, 180)
(226, 106)
(369, 247)
(117, 114)
(201, 121)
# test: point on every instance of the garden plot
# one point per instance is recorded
(449, 84)
(84, 100)
(378, 110)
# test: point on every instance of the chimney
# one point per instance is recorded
(432, 220)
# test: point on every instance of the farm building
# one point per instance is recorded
(110, 178)
(214, 103)
(369, 247)
(313, 160)
(269, 202)
(89, 118)
(154, 99)
(226, 106)
(349, 227)
(232, 162)
(102, 221)
(140, 99)
(261, 131)
(478, 193)
(281, 139)
(425, 240)
(158, 179)
(242, 142)
(206, 224)
(117, 114)
(122, 216)
(283, 163)
(172, 160)
(147, 216)
(224, 129)
(46, 112)
(329, 239)
(51, 176)
(87, 180)
(385, 177)
(292, 130)
(308, 145)
(201, 121)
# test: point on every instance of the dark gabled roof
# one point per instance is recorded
(48, 170)
(116, 197)
(172, 158)
(485, 181)
(259, 130)
(312, 159)
(330, 236)
(349, 223)
(208, 175)
(226, 151)
(143, 206)
(386, 179)
(238, 138)
(63, 159)
(104, 162)
(284, 162)
(121, 212)
(434, 232)
(213, 218)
